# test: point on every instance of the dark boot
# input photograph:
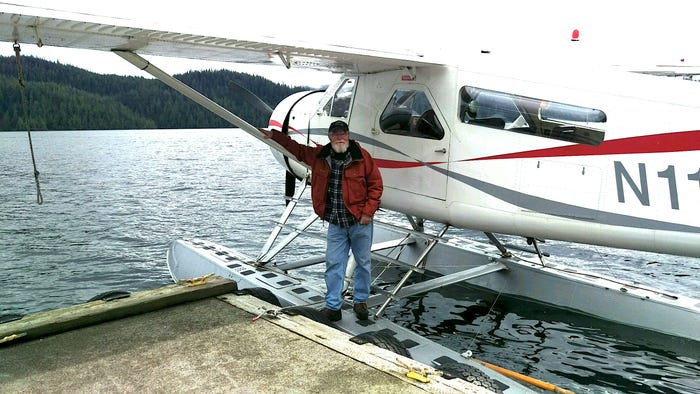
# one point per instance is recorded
(331, 314)
(361, 311)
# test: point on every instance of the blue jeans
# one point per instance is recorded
(339, 241)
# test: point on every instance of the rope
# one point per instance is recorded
(275, 312)
(512, 374)
(419, 374)
(479, 331)
(25, 107)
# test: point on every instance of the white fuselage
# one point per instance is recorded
(638, 187)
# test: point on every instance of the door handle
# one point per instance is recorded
(443, 150)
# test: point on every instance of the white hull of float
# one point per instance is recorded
(481, 265)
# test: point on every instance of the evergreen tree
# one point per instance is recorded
(63, 97)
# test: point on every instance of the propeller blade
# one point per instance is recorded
(251, 98)
(257, 103)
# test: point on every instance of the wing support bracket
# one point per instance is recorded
(39, 42)
(285, 59)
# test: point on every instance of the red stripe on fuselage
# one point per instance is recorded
(658, 143)
(274, 123)
(395, 164)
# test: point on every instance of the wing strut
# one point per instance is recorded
(195, 96)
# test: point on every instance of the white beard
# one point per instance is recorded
(340, 147)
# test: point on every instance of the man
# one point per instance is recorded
(346, 188)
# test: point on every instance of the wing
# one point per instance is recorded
(78, 30)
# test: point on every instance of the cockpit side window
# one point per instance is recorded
(339, 105)
(410, 113)
(527, 115)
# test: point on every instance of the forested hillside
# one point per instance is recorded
(63, 97)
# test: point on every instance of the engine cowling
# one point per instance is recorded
(293, 116)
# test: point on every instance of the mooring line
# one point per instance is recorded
(25, 108)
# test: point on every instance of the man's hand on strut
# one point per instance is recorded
(266, 133)
(365, 219)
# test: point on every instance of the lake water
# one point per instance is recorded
(114, 200)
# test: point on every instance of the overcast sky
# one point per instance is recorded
(611, 31)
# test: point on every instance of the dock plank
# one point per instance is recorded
(94, 312)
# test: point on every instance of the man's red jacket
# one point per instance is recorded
(362, 182)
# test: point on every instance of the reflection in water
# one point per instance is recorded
(553, 345)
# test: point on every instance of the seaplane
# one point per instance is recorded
(464, 141)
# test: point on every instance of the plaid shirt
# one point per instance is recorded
(336, 212)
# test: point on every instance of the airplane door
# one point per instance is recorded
(412, 144)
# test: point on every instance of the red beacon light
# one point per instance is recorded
(409, 74)
(574, 35)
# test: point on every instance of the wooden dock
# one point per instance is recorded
(202, 338)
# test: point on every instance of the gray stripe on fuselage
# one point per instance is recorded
(541, 205)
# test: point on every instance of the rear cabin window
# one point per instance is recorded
(532, 116)
(410, 113)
